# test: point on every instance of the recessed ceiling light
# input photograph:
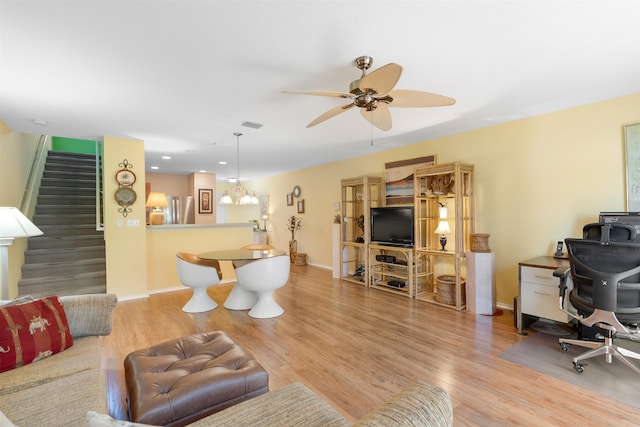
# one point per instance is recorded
(39, 122)
(166, 157)
(203, 171)
(222, 162)
(252, 125)
(190, 151)
(154, 167)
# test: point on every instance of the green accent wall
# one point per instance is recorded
(72, 145)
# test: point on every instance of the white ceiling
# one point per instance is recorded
(184, 75)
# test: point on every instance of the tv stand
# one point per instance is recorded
(395, 269)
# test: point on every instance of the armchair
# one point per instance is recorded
(605, 294)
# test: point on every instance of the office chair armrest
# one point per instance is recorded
(563, 274)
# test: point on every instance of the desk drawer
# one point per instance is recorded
(542, 276)
(542, 301)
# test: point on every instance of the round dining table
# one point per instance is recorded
(240, 298)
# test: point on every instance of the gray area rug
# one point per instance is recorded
(541, 352)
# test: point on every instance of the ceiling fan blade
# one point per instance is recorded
(414, 98)
(320, 93)
(331, 113)
(381, 80)
(380, 117)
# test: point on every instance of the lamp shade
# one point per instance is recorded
(14, 224)
(443, 228)
(157, 200)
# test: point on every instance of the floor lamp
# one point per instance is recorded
(13, 224)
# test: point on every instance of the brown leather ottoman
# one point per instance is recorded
(179, 381)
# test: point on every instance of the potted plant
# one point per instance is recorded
(293, 224)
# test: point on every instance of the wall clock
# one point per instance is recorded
(296, 191)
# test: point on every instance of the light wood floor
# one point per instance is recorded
(356, 347)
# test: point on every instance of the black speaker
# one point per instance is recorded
(386, 258)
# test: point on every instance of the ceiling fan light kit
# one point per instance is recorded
(373, 93)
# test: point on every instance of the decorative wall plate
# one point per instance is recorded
(125, 196)
(125, 177)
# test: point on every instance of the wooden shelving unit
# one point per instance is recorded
(359, 195)
(449, 184)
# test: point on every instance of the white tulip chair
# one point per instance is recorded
(198, 274)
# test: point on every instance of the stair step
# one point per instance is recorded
(65, 209)
(85, 175)
(68, 156)
(64, 268)
(86, 283)
(64, 166)
(64, 219)
(68, 191)
(70, 199)
(68, 182)
(87, 230)
(36, 256)
(56, 242)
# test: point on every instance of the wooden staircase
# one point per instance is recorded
(69, 258)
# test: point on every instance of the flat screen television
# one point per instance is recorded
(392, 225)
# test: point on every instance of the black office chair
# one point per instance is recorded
(605, 294)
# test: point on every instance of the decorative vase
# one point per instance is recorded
(293, 249)
(480, 242)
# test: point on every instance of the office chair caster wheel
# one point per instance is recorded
(579, 367)
(564, 347)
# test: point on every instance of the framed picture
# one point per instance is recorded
(264, 206)
(632, 161)
(289, 199)
(205, 201)
(398, 179)
(301, 206)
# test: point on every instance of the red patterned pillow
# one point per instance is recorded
(32, 331)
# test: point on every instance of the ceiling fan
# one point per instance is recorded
(374, 95)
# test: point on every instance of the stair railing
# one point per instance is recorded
(27, 207)
(99, 188)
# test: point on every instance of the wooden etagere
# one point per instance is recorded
(451, 185)
(359, 195)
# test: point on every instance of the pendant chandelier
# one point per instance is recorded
(242, 194)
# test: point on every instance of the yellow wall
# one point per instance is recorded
(126, 250)
(17, 155)
(537, 181)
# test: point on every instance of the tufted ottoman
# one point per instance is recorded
(179, 381)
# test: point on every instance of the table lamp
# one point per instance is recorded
(442, 230)
(156, 201)
(13, 224)
(265, 218)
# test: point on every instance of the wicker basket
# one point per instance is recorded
(446, 289)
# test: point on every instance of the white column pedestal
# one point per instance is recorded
(481, 282)
(335, 252)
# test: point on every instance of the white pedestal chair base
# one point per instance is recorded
(200, 302)
(266, 307)
(240, 298)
